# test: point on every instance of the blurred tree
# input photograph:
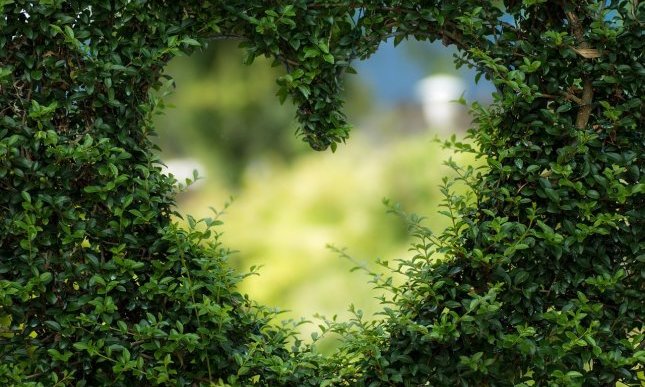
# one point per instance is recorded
(229, 114)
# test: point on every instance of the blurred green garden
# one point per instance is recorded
(289, 202)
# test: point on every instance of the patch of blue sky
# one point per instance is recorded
(393, 73)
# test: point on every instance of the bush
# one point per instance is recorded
(541, 280)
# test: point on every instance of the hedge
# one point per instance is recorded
(538, 281)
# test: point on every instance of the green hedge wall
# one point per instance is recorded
(540, 280)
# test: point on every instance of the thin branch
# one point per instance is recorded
(564, 94)
(585, 107)
(225, 37)
(587, 87)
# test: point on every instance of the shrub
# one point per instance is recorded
(541, 280)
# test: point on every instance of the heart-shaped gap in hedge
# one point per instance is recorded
(541, 281)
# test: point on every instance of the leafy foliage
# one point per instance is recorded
(542, 269)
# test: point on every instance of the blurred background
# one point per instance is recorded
(222, 118)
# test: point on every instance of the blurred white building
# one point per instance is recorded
(182, 169)
(438, 95)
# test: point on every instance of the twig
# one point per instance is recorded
(585, 107)
(564, 94)
(587, 87)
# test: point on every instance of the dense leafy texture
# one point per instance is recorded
(539, 280)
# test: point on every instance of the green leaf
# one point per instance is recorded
(190, 42)
(520, 277)
(593, 194)
(329, 58)
(552, 194)
(81, 346)
(311, 52)
(46, 277)
(53, 325)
